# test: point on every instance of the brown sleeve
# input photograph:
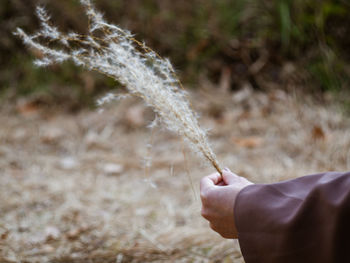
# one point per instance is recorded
(302, 220)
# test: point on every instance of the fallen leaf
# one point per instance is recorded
(47, 249)
(244, 116)
(248, 142)
(76, 232)
(73, 233)
(318, 133)
(5, 235)
(27, 108)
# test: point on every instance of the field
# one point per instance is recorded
(74, 187)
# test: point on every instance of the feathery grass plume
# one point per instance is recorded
(116, 53)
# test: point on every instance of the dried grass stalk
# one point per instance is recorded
(116, 53)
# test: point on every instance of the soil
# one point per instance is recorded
(75, 188)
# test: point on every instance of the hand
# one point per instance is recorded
(218, 195)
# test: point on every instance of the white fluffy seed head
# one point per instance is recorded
(117, 54)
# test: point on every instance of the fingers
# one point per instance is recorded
(210, 181)
(229, 177)
(222, 183)
(215, 178)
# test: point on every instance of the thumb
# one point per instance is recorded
(229, 177)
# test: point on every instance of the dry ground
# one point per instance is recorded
(73, 187)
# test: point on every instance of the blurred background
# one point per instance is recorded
(269, 78)
(285, 44)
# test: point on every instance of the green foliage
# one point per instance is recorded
(199, 36)
(309, 32)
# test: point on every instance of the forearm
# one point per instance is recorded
(294, 221)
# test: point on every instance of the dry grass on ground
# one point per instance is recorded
(73, 187)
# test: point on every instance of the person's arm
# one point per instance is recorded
(302, 220)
